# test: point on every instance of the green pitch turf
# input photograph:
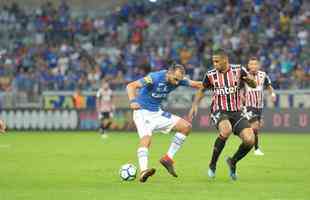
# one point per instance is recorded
(82, 166)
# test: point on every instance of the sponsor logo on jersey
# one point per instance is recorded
(226, 90)
(159, 95)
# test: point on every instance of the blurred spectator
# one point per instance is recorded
(52, 49)
(79, 99)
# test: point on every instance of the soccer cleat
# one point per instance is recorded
(168, 164)
(232, 169)
(144, 175)
(211, 173)
(258, 152)
(104, 136)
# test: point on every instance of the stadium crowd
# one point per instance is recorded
(50, 48)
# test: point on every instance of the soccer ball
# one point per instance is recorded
(128, 172)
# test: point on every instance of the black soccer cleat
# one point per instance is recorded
(232, 169)
(168, 164)
(146, 174)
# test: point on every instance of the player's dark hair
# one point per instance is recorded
(220, 52)
(175, 66)
(253, 58)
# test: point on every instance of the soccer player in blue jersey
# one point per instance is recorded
(145, 96)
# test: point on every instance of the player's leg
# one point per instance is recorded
(165, 122)
(107, 123)
(254, 117)
(182, 128)
(256, 125)
(225, 129)
(242, 128)
(145, 134)
(142, 154)
(104, 122)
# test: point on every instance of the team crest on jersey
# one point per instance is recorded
(148, 79)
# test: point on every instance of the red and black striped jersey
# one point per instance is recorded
(225, 87)
(254, 97)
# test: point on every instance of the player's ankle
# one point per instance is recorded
(212, 167)
(167, 157)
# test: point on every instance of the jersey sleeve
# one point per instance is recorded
(205, 81)
(267, 81)
(185, 82)
(243, 72)
(147, 80)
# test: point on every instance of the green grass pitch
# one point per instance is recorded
(82, 166)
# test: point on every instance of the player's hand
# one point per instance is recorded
(135, 106)
(193, 112)
(2, 126)
(251, 76)
(250, 80)
(243, 109)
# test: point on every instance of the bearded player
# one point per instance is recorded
(145, 96)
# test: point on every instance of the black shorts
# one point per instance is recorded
(237, 119)
(105, 115)
(254, 114)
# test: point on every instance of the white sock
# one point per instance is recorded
(143, 158)
(176, 144)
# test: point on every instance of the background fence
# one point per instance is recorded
(55, 111)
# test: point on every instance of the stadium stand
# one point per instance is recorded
(55, 48)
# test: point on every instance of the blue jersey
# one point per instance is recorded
(156, 89)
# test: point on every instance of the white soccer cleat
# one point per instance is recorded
(104, 136)
(211, 173)
(258, 152)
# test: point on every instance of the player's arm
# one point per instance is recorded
(132, 89)
(242, 93)
(113, 100)
(195, 84)
(247, 78)
(271, 93)
(132, 93)
(242, 96)
(198, 97)
(98, 95)
(269, 88)
(190, 83)
(205, 84)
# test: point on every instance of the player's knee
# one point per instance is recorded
(255, 125)
(183, 126)
(248, 137)
(188, 128)
(225, 130)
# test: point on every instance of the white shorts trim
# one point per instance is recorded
(148, 122)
